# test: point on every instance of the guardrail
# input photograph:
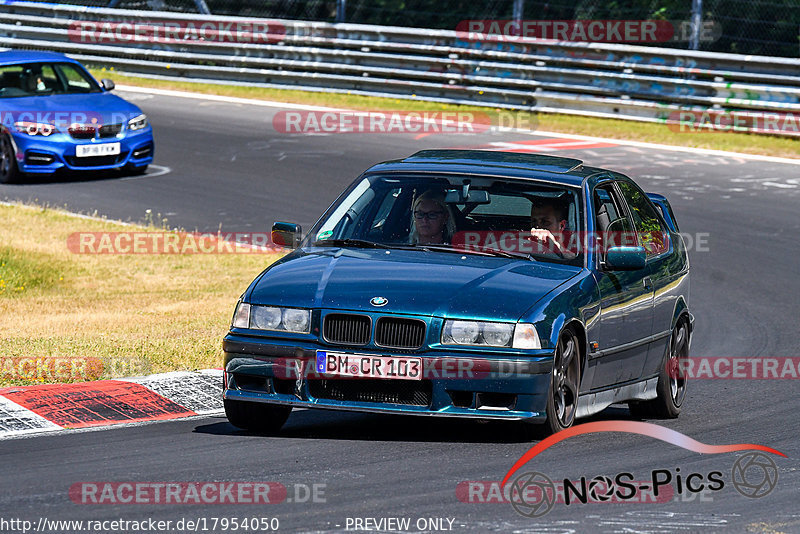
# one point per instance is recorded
(607, 80)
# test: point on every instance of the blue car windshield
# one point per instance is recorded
(38, 79)
(458, 214)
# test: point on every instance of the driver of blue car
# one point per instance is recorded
(548, 223)
(431, 219)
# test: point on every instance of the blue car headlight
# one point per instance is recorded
(272, 318)
(35, 128)
(487, 334)
(490, 334)
(138, 122)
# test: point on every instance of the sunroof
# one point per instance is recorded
(538, 162)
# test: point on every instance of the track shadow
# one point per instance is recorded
(331, 425)
(65, 176)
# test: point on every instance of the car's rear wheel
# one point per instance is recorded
(255, 416)
(671, 388)
(9, 172)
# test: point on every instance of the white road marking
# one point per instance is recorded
(284, 105)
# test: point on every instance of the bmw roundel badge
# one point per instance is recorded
(379, 301)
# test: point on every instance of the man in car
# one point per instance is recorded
(548, 222)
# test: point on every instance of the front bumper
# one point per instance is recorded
(457, 384)
(46, 155)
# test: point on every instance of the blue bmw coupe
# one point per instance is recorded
(55, 116)
(469, 283)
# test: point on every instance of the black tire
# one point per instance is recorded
(256, 416)
(562, 397)
(9, 172)
(671, 388)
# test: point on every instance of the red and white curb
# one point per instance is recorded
(53, 407)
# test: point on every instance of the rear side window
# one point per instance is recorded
(652, 234)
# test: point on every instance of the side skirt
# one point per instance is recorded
(592, 403)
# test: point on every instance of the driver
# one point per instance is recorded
(548, 221)
(431, 219)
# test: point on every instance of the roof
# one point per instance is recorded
(566, 171)
(11, 57)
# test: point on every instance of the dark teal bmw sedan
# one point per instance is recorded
(469, 283)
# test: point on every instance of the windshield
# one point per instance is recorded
(33, 79)
(457, 214)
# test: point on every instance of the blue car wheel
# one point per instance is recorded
(671, 387)
(9, 172)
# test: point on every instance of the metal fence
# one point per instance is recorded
(762, 27)
(606, 80)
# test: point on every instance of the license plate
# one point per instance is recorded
(102, 149)
(365, 366)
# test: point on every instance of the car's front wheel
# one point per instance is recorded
(562, 400)
(9, 172)
(671, 388)
(255, 416)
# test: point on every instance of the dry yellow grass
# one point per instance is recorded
(137, 314)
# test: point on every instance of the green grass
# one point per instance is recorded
(22, 271)
(569, 124)
(117, 315)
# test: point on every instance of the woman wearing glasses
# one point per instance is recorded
(432, 220)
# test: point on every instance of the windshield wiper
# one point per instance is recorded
(360, 243)
(485, 252)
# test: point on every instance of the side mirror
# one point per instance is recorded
(625, 259)
(286, 235)
(107, 84)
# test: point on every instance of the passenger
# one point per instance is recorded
(431, 221)
(548, 222)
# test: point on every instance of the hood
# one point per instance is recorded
(106, 107)
(414, 282)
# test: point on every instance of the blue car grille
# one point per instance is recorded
(346, 328)
(397, 332)
(407, 392)
(86, 131)
(392, 332)
(109, 130)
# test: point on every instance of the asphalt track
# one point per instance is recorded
(229, 167)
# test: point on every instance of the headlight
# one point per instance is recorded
(35, 128)
(477, 333)
(265, 318)
(461, 332)
(138, 122)
(272, 318)
(483, 334)
(295, 320)
(498, 334)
